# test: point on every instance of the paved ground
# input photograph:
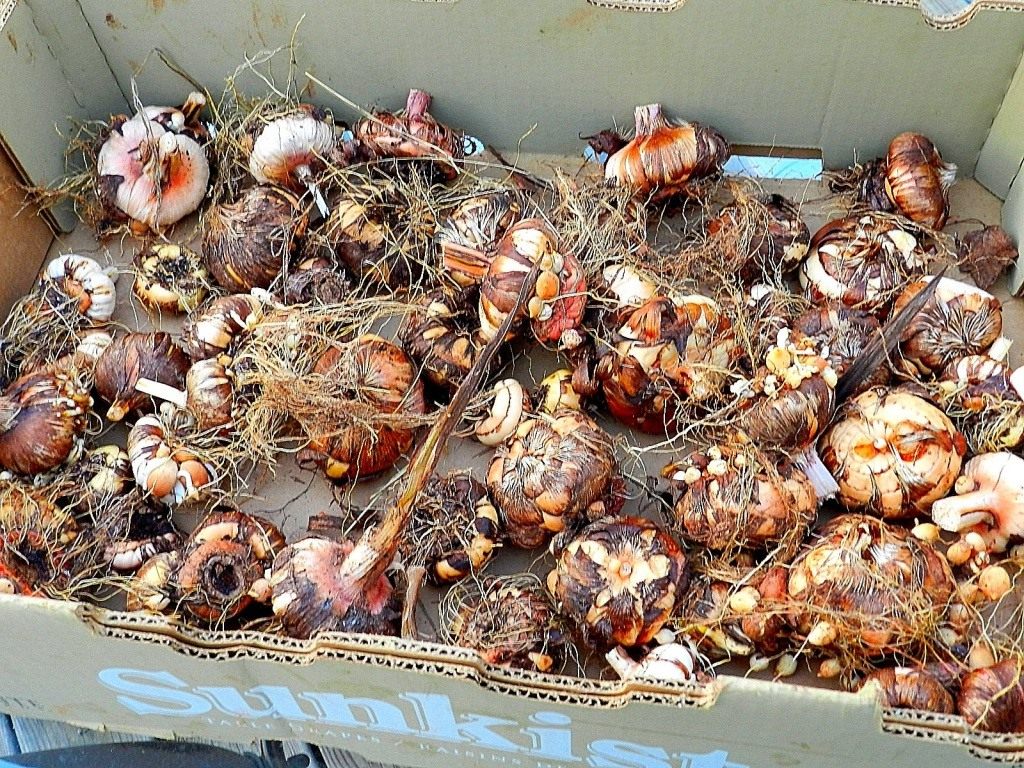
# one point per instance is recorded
(23, 735)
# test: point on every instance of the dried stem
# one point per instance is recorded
(376, 548)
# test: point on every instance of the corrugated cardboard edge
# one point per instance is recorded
(6, 9)
(948, 21)
(640, 6)
(932, 10)
(393, 653)
(448, 661)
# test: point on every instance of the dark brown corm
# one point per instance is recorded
(41, 416)
(439, 334)
(845, 332)
(135, 356)
(618, 581)
(213, 330)
(315, 281)
(861, 262)
(247, 243)
(917, 181)
(771, 236)
(958, 320)
(454, 529)
(732, 495)
(911, 688)
(992, 699)
(553, 471)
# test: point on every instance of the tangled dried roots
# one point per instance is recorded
(382, 226)
(282, 402)
(598, 223)
(870, 589)
(998, 624)
(721, 249)
(998, 426)
(41, 328)
(80, 183)
(238, 118)
(508, 619)
(43, 547)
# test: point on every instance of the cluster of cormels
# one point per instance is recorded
(890, 443)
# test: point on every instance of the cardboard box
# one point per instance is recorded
(841, 76)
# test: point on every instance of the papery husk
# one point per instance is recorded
(412, 134)
(985, 254)
(667, 157)
(911, 688)
(946, 328)
(468, 236)
(43, 417)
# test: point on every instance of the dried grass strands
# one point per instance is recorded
(80, 185)
(44, 549)
(382, 224)
(598, 223)
(282, 403)
(238, 117)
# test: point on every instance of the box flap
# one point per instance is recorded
(1003, 153)
(37, 94)
(861, 73)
